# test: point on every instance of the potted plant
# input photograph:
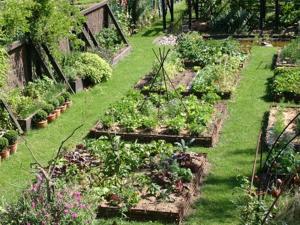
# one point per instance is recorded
(4, 151)
(40, 119)
(61, 101)
(67, 97)
(49, 109)
(55, 104)
(12, 137)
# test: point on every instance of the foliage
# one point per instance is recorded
(167, 111)
(194, 49)
(69, 207)
(46, 21)
(290, 13)
(3, 66)
(40, 116)
(291, 52)
(5, 121)
(219, 78)
(109, 38)
(3, 143)
(48, 108)
(11, 136)
(286, 81)
(61, 100)
(88, 66)
(66, 95)
(54, 102)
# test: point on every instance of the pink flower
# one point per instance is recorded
(33, 205)
(74, 215)
(82, 206)
(66, 211)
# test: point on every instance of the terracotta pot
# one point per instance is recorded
(4, 154)
(42, 124)
(63, 108)
(51, 117)
(13, 148)
(68, 104)
(57, 112)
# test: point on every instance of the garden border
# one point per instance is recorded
(203, 140)
(279, 63)
(269, 128)
(183, 208)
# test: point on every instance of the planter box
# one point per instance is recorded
(26, 124)
(279, 62)
(207, 139)
(288, 114)
(171, 212)
(77, 85)
(184, 80)
(121, 54)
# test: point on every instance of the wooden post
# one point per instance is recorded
(164, 13)
(197, 9)
(277, 11)
(190, 13)
(262, 15)
(114, 20)
(57, 68)
(11, 115)
(29, 59)
(105, 18)
(172, 10)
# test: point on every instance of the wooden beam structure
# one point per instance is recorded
(277, 12)
(11, 115)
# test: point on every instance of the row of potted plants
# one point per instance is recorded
(8, 144)
(52, 110)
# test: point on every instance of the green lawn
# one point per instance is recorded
(233, 155)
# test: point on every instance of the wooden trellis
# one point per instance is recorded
(6, 107)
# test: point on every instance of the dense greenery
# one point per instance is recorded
(159, 114)
(109, 39)
(194, 49)
(88, 66)
(291, 52)
(220, 78)
(286, 81)
(27, 101)
(3, 66)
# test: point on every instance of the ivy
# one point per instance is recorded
(3, 66)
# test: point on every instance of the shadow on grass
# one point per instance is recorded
(269, 96)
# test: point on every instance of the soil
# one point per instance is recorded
(288, 114)
(184, 79)
(172, 210)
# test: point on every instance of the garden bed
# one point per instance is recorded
(279, 62)
(182, 80)
(208, 138)
(287, 114)
(121, 54)
(151, 208)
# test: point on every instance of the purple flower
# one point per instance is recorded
(66, 211)
(74, 215)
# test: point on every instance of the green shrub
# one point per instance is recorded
(54, 102)
(286, 81)
(48, 108)
(109, 38)
(66, 95)
(3, 143)
(61, 100)
(41, 115)
(3, 66)
(291, 52)
(93, 68)
(11, 136)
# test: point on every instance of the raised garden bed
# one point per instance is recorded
(121, 54)
(283, 116)
(182, 81)
(151, 208)
(208, 138)
(279, 62)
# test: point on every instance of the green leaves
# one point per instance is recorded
(3, 66)
(286, 81)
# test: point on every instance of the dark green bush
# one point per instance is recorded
(3, 143)
(54, 102)
(66, 95)
(61, 100)
(41, 115)
(286, 81)
(48, 108)
(11, 136)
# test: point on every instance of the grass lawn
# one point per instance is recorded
(233, 156)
